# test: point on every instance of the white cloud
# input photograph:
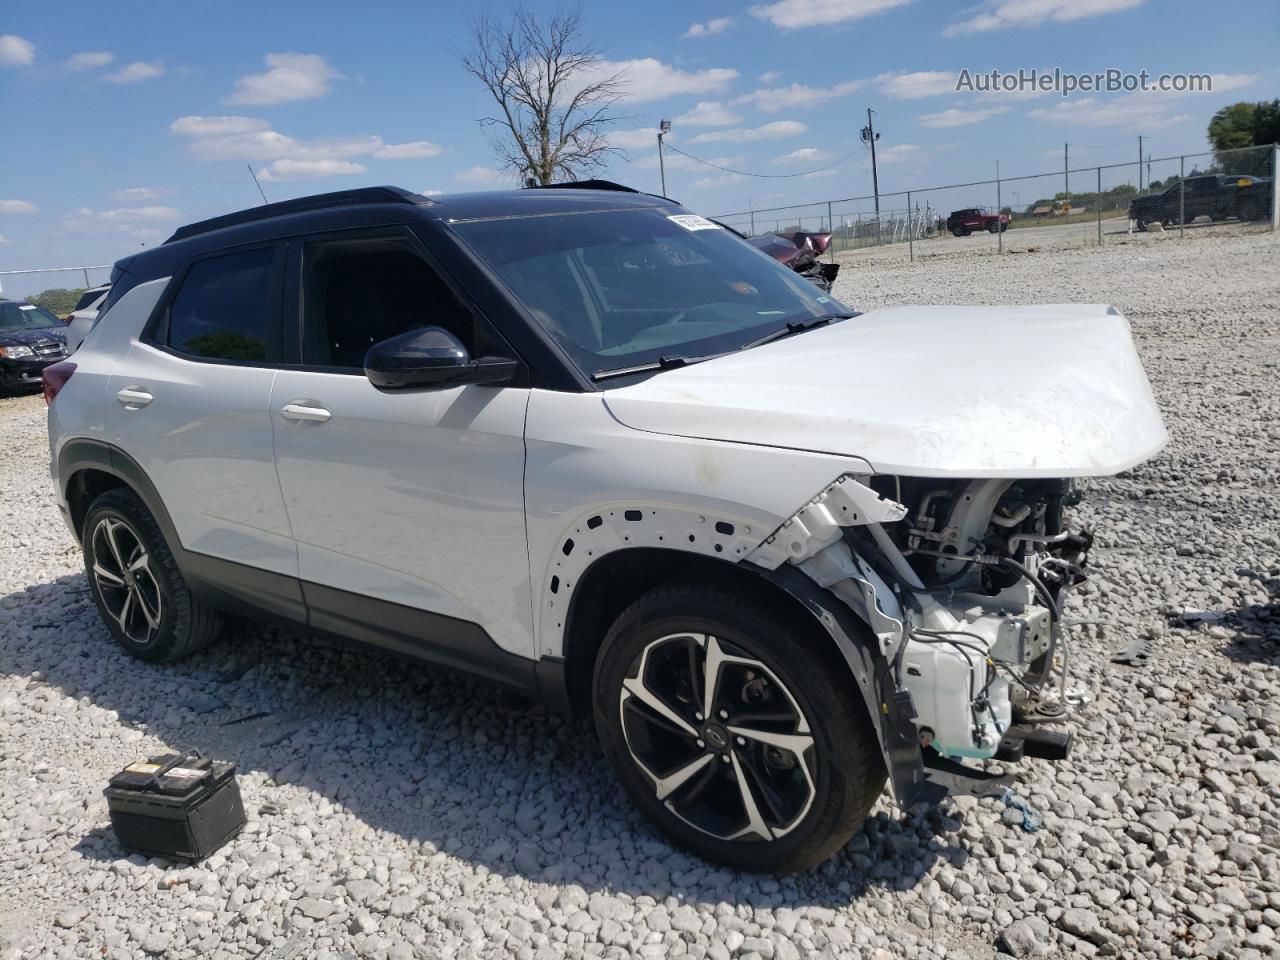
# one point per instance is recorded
(430, 193)
(15, 51)
(138, 214)
(3, 239)
(803, 155)
(1143, 109)
(678, 161)
(90, 60)
(636, 139)
(724, 180)
(909, 86)
(1131, 109)
(789, 14)
(955, 117)
(416, 150)
(650, 79)
(768, 131)
(717, 25)
(770, 76)
(293, 76)
(900, 151)
(215, 126)
(137, 72)
(485, 176)
(290, 169)
(708, 113)
(775, 99)
(135, 194)
(134, 221)
(17, 206)
(1030, 13)
(287, 158)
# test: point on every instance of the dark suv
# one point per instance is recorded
(31, 338)
(1217, 196)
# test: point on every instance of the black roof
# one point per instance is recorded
(562, 197)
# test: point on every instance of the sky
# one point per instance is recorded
(125, 120)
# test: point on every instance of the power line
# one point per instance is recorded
(764, 176)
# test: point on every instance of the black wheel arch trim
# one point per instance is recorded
(889, 708)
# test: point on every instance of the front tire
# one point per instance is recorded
(135, 582)
(736, 729)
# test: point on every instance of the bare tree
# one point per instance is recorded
(554, 99)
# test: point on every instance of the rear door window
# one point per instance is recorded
(227, 308)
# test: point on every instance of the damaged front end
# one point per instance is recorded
(961, 583)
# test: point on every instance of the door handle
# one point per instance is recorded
(305, 410)
(134, 398)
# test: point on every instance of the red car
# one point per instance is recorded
(963, 222)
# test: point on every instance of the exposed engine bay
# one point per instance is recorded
(963, 583)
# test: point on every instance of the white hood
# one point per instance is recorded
(1030, 391)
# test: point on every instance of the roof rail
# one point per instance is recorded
(584, 185)
(321, 201)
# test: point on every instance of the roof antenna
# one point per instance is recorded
(257, 184)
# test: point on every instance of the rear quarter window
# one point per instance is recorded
(222, 311)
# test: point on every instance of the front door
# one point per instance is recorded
(407, 506)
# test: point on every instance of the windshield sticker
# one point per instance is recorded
(27, 306)
(691, 221)
(824, 299)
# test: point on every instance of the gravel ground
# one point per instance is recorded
(404, 813)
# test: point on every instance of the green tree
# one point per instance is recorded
(57, 300)
(1242, 125)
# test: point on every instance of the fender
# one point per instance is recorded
(219, 583)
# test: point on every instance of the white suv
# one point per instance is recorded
(596, 448)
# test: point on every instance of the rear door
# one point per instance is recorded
(191, 405)
(407, 506)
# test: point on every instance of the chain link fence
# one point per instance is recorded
(1073, 207)
(58, 289)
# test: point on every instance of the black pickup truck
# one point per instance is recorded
(1217, 196)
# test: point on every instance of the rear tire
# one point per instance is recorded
(784, 766)
(135, 582)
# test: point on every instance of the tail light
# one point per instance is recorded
(54, 377)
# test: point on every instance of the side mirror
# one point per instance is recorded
(431, 357)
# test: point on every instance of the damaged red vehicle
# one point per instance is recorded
(801, 251)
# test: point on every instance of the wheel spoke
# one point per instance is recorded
(755, 822)
(635, 686)
(106, 577)
(659, 720)
(125, 609)
(140, 562)
(692, 648)
(669, 785)
(791, 742)
(109, 529)
(767, 793)
(711, 683)
(153, 619)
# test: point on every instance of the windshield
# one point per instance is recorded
(621, 288)
(26, 316)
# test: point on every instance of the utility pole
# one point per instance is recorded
(1066, 177)
(870, 136)
(1139, 163)
(664, 127)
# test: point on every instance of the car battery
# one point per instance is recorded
(181, 806)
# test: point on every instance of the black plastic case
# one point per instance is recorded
(181, 806)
